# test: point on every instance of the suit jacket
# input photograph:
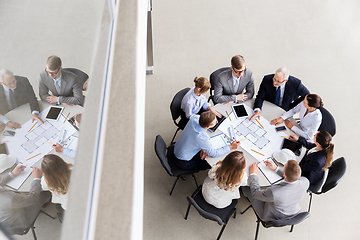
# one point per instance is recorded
(16, 210)
(224, 88)
(312, 164)
(23, 93)
(294, 92)
(71, 88)
(280, 200)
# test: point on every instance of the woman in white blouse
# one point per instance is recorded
(194, 100)
(224, 179)
(310, 116)
(56, 177)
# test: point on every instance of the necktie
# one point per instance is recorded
(277, 97)
(236, 85)
(12, 99)
(57, 83)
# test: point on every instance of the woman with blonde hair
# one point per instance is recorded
(56, 177)
(194, 101)
(224, 179)
(319, 156)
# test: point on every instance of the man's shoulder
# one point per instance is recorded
(294, 80)
(225, 74)
(68, 75)
(21, 79)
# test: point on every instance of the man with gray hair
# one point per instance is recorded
(16, 91)
(281, 89)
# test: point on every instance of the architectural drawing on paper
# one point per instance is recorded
(253, 132)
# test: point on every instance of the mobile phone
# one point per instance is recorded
(9, 133)
(281, 128)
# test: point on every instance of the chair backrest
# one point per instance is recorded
(204, 213)
(175, 105)
(328, 122)
(287, 221)
(80, 74)
(213, 77)
(160, 149)
(335, 174)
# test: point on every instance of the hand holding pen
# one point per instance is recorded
(234, 145)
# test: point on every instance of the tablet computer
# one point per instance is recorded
(292, 145)
(3, 149)
(239, 110)
(219, 121)
(54, 113)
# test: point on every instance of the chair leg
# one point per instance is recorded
(234, 214)
(33, 232)
(310, 193)
(47, 214)
(292, 227)
(172, 140)
(187, 211)
(221, 231)
(174, 185)
(195, 180)
(257, 228)
(246, 209)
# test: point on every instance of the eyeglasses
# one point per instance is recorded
(277, 81)
(52, 73)
(9, 84)
(239, 72)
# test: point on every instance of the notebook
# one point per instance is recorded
(270, 175)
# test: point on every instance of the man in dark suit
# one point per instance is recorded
(16, 91)
(235, 84)
(281, 89)
(64, 86)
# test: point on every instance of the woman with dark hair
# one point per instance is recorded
(310, 116)
(56, 177)
(224, 179)
(319, 156)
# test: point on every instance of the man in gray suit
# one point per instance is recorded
(235, 84)
(64, 85)
(280, 200)
(19, 211)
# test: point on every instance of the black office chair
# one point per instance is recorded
(176, 112)
(82, 76)
(335, 174)
(280, 222)
(60, 212)
(171, 168)
(208, 211)
(213, 77)
(328, 122)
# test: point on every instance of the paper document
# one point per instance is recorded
(218, 141)
(269, 174)
(18, 180)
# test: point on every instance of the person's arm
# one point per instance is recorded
(77, 97)
(205, 144)
(262, 195)
(301, 92)
(4, 119)
(260, 97)
(30, 96)
(187, 109)
(250, 89)
(292, 111)
(303, 141)
(43, 89)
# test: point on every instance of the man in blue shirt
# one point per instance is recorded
(194, 144)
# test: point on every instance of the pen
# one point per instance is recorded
(32, 126)
(257, 152)
(285, 137)
(228, 115)
(66, 117)
(4, 141)
(33, 156)
(259, 122)
(242, 139)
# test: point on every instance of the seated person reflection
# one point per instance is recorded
(235, 84)
(319, 156)
(56, 177)
(194, 101)
(67, 151)
(281, 89)
(280, 200)
(64, 86)
(224, 179)
(18, 211)
(310, 117)
(16, 91)
(194, 145)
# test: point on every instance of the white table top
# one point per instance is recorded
(269, 111)
(21, 115)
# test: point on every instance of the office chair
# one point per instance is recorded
(328, 122)
(280, 222)
(169, 165)
(213, 77)
(82, 76)
(208, 211)
(176, 112)
(335, 174)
